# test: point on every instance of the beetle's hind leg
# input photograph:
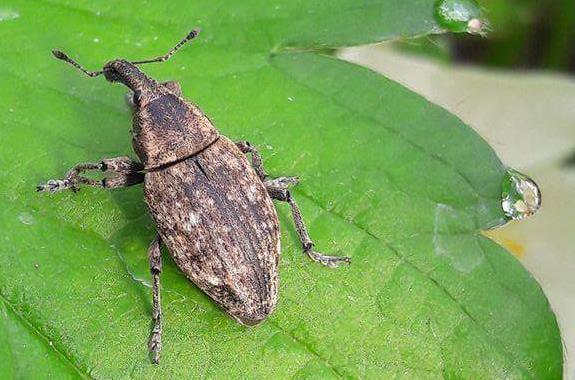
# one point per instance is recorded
(126, 173)
(155, 342)
(278, 189)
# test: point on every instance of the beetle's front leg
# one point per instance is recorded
(278, 189)
(257, 162)
(127, 173)
(155, 343)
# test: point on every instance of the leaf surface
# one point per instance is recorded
(388, 178)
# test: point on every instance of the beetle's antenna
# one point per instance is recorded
(60, 55)
(167, 56)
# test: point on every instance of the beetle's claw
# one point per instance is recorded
(328, 261)
(155, 344)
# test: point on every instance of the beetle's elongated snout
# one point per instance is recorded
(120, 70)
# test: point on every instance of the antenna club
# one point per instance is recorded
(193, 33)
(163, 58)
(60, 55)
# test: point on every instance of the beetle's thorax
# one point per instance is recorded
(168, 129)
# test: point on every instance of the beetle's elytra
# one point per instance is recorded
(213, 210)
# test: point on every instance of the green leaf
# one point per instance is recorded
(27, 352)
(388, 178)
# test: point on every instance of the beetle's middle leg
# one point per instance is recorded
(126, 173)
(257, 162)
(278, 189)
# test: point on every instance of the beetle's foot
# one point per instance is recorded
(55, 185)
(155, 343)
(328, 261)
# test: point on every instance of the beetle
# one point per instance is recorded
(213, 209)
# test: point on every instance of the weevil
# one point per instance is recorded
(213, 209)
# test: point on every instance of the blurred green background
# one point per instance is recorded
(534, 34)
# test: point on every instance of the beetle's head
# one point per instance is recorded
(126, 72)
(120, 70)
(113, 69)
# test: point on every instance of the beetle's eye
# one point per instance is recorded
(111, 74)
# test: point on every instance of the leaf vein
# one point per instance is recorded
(35, 331)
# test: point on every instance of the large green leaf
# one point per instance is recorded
(388, 178)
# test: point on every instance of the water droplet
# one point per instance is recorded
(96, 40)
(460, 16)
(520, 195)
(290, 98)
(8, 14)
(26, 218)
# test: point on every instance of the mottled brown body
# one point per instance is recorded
(220, 226)
(212, 208)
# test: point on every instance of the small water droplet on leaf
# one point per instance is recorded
(8, 14)
(26, 218)
(520, 195)
(460, 16)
